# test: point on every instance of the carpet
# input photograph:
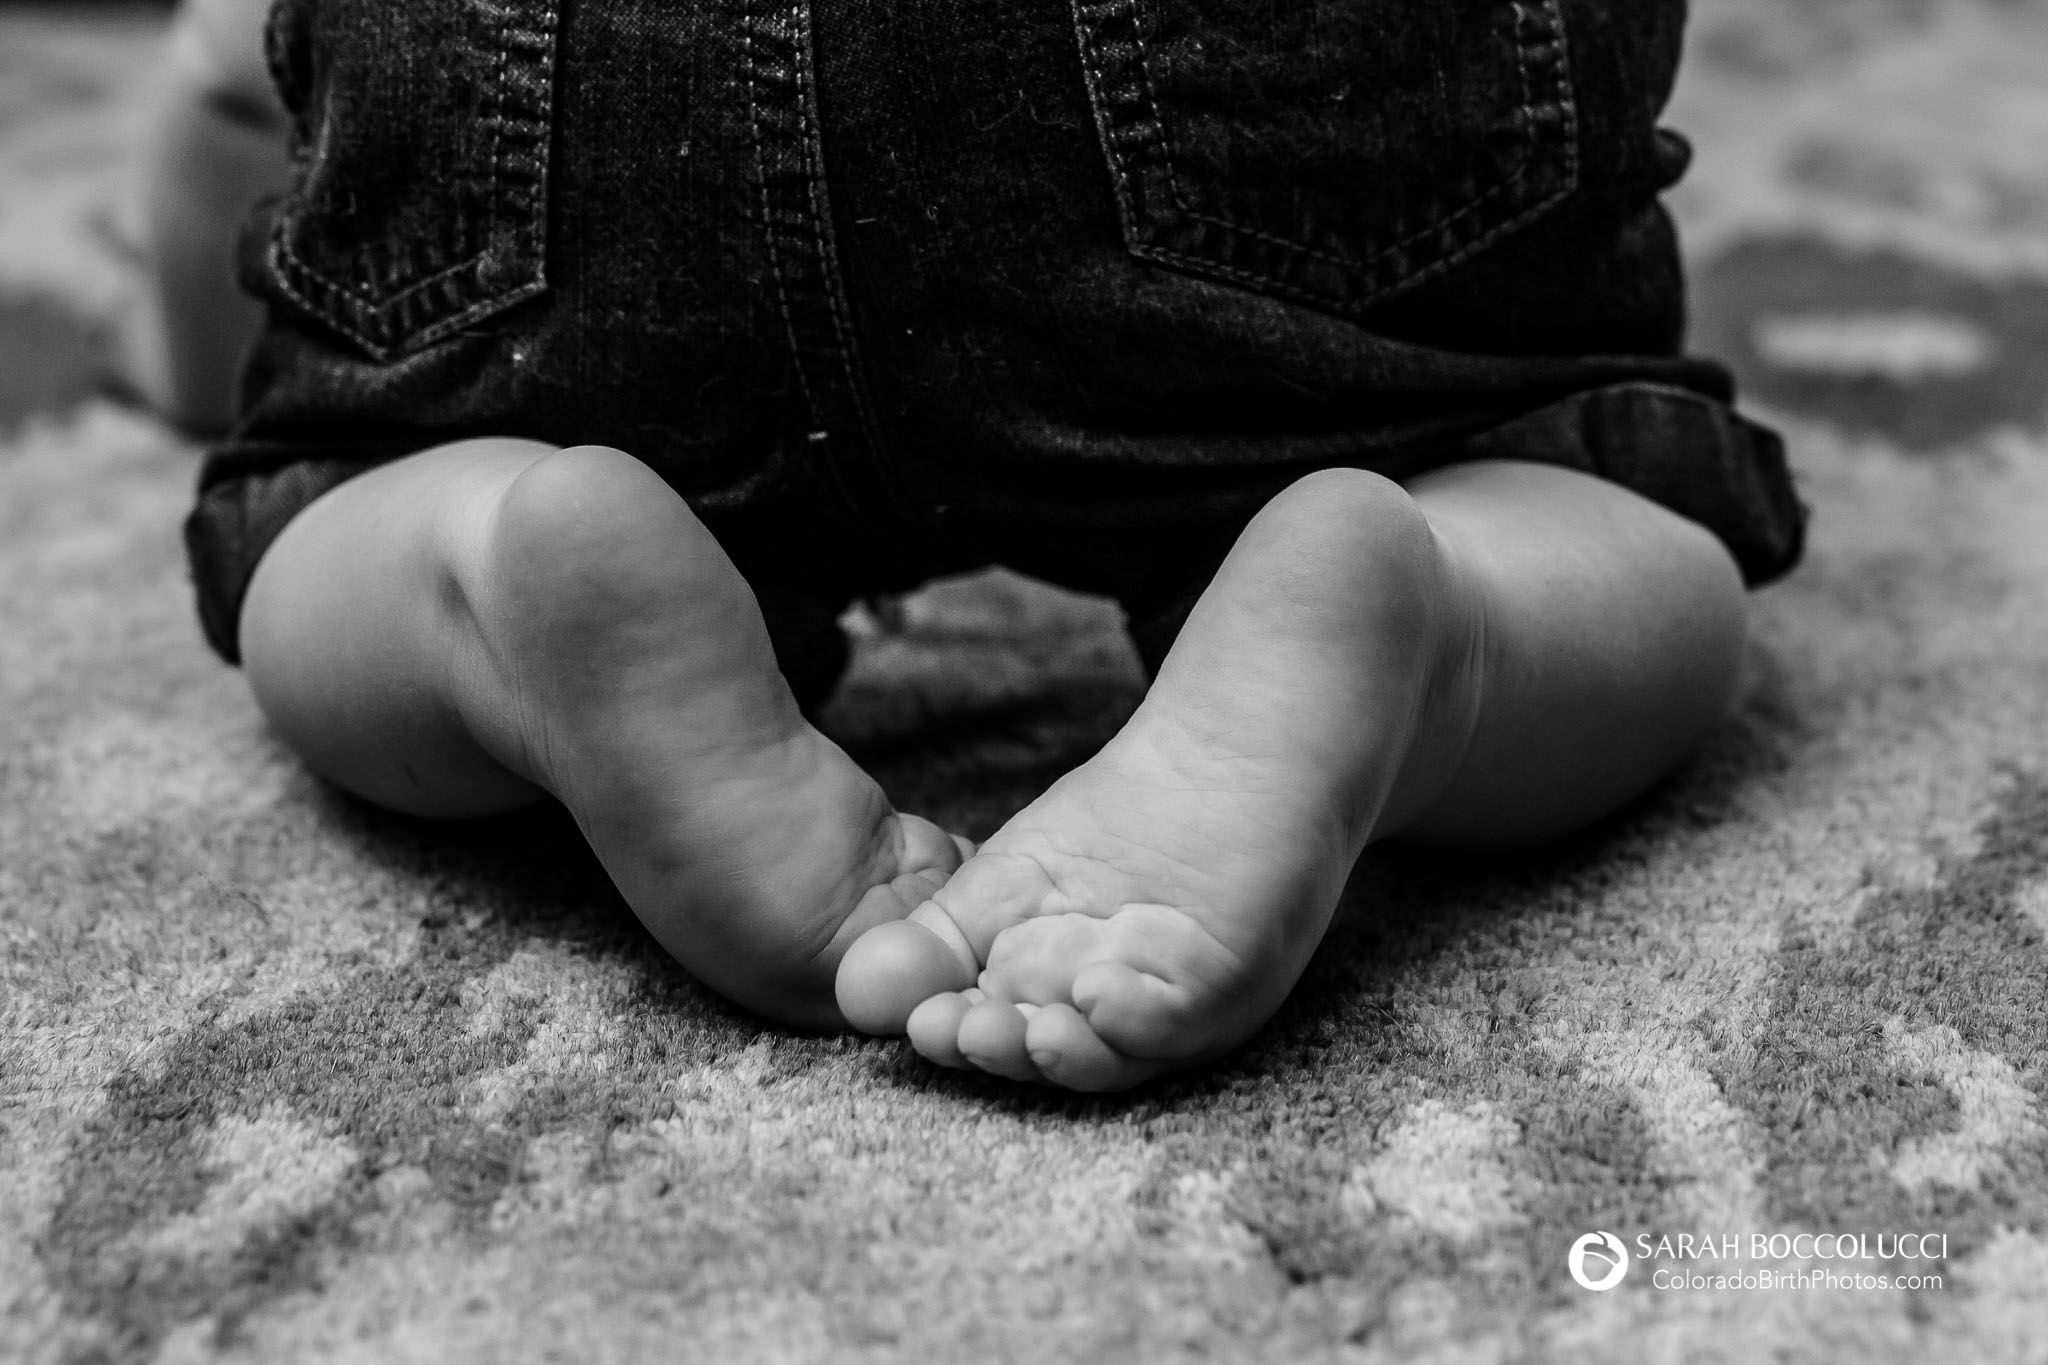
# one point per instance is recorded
(285, 1078)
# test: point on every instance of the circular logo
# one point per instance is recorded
(1598, 1261)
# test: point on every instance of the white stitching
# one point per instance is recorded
(1442, 226)
(828, 253)
(299, 279)
(768, 232)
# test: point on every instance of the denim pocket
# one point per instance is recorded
(1332, 152)
(419, 206)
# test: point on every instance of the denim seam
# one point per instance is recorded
(828, 253)
(1161, 142)
(776, 268)
(497, 139)
(1086, 39)
(802, 252)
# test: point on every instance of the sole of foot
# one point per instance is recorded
(1152, 909)
(623, 665)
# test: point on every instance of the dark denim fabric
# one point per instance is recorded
(894, 288)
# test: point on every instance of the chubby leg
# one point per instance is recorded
(1498, 653)
(469, 628)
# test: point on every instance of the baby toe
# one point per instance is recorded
(991, 1038)
(892, 969)
(934, 1028)
(926, 847)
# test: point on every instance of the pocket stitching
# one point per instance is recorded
(1161, 141)
(1527, 108)
(299, 279)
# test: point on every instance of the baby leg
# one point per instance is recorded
(463, 630)
(1499, 652)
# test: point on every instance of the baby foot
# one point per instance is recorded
(1155, 906)
(622, 663)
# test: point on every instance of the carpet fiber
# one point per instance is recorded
(282, 1077)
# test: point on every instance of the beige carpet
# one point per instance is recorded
(282, 1078)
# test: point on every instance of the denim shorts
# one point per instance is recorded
(889, 291)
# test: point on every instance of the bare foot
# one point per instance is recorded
(1154, 908)
(622, 664)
